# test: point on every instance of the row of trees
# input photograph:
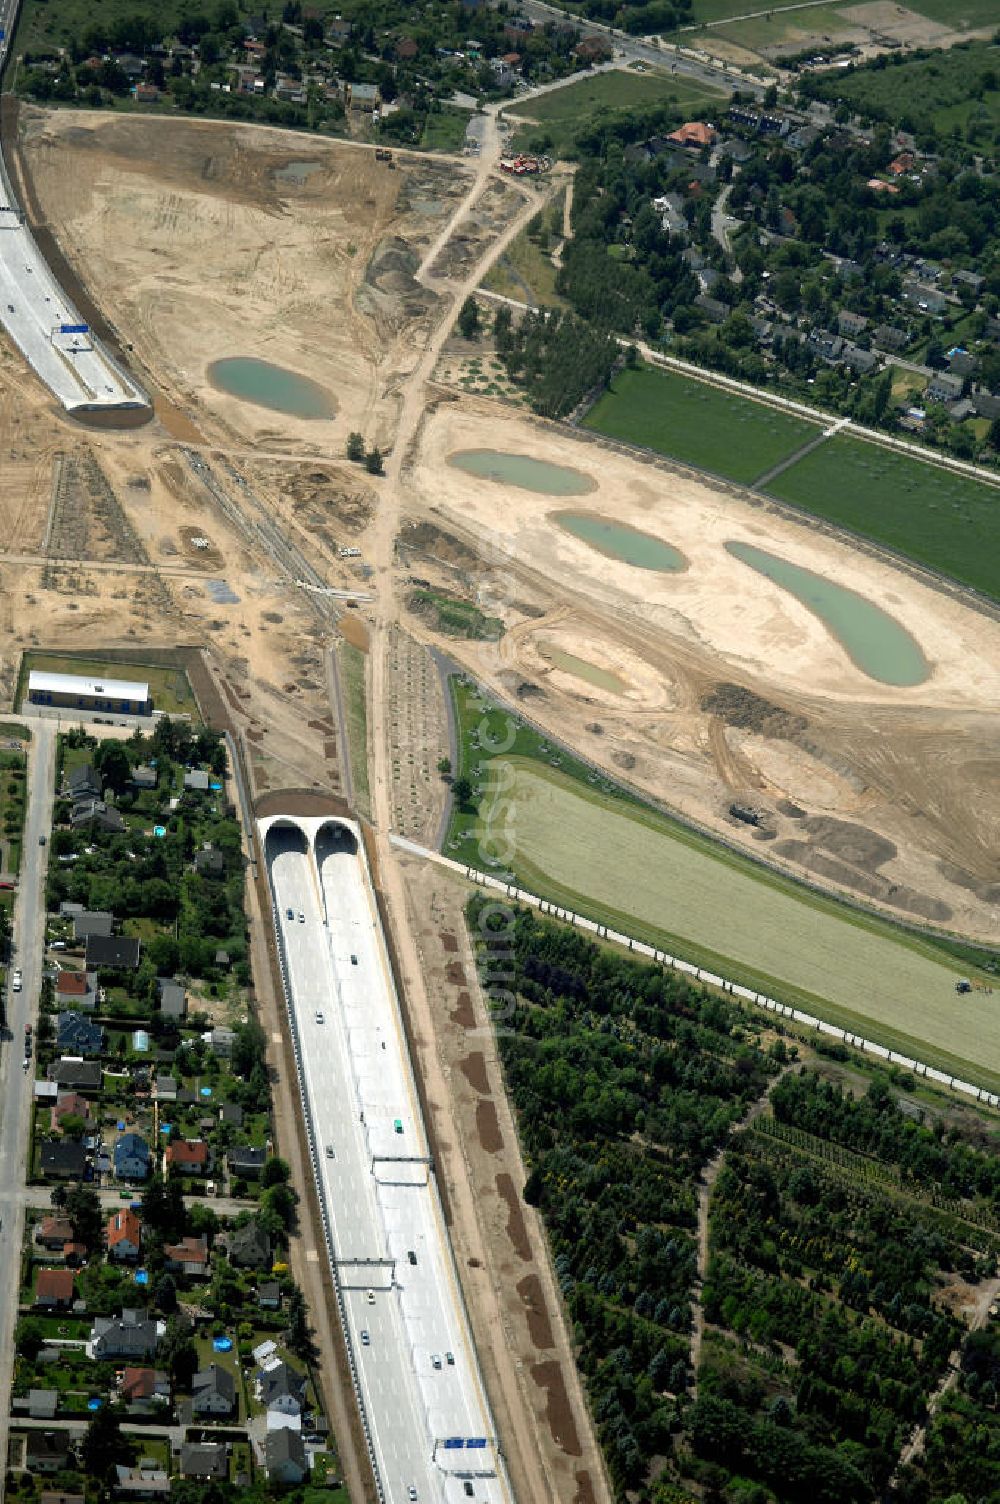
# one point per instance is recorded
(556, 357)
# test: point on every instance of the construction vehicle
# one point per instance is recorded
(963, 985)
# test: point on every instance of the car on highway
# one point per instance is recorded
(329, 1151)
(319, 1017)
(370, 1297)
(354, 960)
(411, 1255)
(435, 1360)
(411, 1493)
(397, 1124)
(41, 840)
(302, 917)
(289, 913)
(27, 1063)
(16, 983)
(365, 1339)
(449, 1358)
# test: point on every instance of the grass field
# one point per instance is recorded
(573, 836)
(13, 801)
(957, 13)
(169, 688)
(697, 423)
(444, 130)
(562, 112)
(775, 29)
(352, 669)
(942, 520)
(933, 93)
(525, 270)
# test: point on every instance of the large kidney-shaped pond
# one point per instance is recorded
(875, 641)
(521, 470)
(265, 385)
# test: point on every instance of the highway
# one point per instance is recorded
(416, 1369)
(15, 1082)
(35, 312)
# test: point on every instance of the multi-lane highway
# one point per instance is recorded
(16, 1084)
(422, 1398)
(36, 313)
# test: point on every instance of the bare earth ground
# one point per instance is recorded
(806, 733)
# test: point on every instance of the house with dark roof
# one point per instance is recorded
(123, 1235)
(943, 387)
(53, 1233)
(132, 1159)
(144, 777)
(74, 1074)
(190, 1156)
(114, 952)
(83, 783)
(54, 1289)
(249, 1246)
(214, 1392)
(210, 862)
(47, 1451)
(231, 1113)
(92, 922)
(78, 1034)
(63, 1159)
(246, 1162)
(269, 1295)
(77, 989)
(130, 1335)
(197, 778)
(98, 814)
(204, 1459)
(56, 1495)
(285, 1456)
(280, 1388)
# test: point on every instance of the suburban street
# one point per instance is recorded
(22, 1007)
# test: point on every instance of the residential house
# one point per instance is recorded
(694, 134)
(145, 93)
(144, 1390)
(214, 1392)
(221, 1041)
(54, 1289)
(959, 411)
(92, 922)
(943, 387)
(123, 1234)
(231, 1113)
(78, 1034)
(210, 862)
(42, 1404)
(146, 1481)
(130, 1335)
(133, 67)
(986, 405)
(56, 1495)
(858, 360)
(54, 1233)
(888, 337)
(190, 1156)
(903, 163)
(714, 311)
(173, 998)
(190, 1256)
(361, 97)
(131, 1157)
(245, 1162)
(116, 952)
(249, 1247)
(927, 299)
(144, 777)
(269, 1296)
(74, 1074)
(969, 279)
(285, 1456)
(63, 1159)
(98, 814)
(851, 324)
(69, 1104)
(280, 1388)
(593, 49)
(83, 782)
(406, 49)
(204, 1459)
(77, 989)
(826, 345)
(962, 363)
(338, 31)
(48, 1451)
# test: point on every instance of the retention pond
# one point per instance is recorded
(617, 541)
(875, 641)
(579, 668)
(521, 470)
(265, 385)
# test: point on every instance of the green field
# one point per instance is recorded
(776, 30)
(169, 688)
(563, 112)
(699, 424)
(352, 671)
(945, 521)
(571, 835)
(444, 130)
(936, 93)
(957, 13)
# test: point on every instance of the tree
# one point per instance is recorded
(356, 447)
(282, 1201)
(275, 1172)
(111, 762)
(444, 763)
(468, 319)
(178, 1353)
(297, 1334)
(102, 1445)
(83, 1207)
(165, 1294)
(28, 1339)
(462, 790)
(373, 461)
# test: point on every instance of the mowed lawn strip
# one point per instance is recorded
(607, 860)
(562, 113)
(689, 420)
(949, 522)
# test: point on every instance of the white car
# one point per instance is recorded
(370, 1297)
(302, 917)
(319, 1017)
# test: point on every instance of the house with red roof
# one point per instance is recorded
(69, 1104)
(54, 1233)
(190, 1256)
(123, 1235)
(190, 1156)
(693, 133)
(54, 1289)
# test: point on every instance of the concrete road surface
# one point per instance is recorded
(15, 1082)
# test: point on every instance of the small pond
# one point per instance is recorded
(618, 541)
(265, 385)
(294, 174)
(521, 470)
(590, 673)
(875, 641)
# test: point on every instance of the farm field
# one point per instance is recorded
(168, 687)
(581, 848)
(563, 112)
(957, 13)
(935, 93)
(772, 30)
(689, 420)
(938, 518)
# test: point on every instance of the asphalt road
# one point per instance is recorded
(15, 1082)
(375, 1189)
